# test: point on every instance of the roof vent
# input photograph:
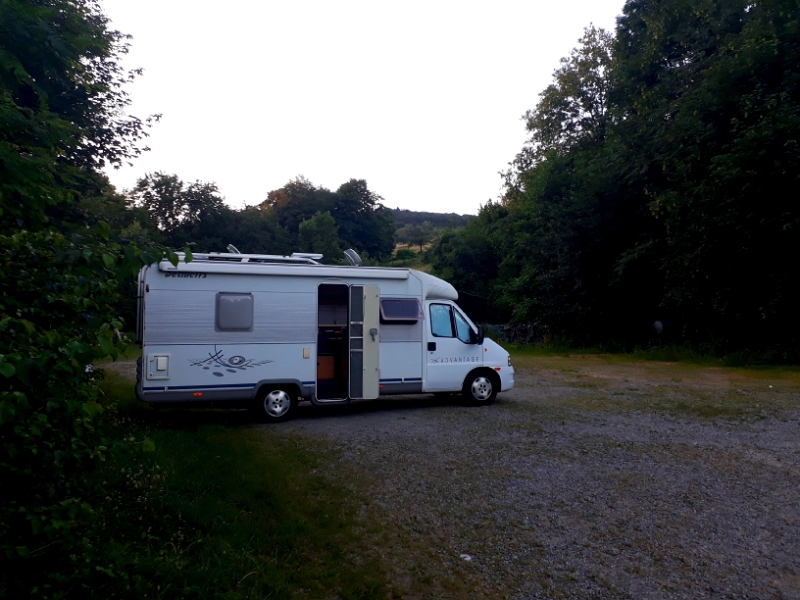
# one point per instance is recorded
(352, 257)
(232, 249)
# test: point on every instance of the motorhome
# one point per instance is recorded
(270, 331)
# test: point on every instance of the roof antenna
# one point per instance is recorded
(232, 249)
(352, 257)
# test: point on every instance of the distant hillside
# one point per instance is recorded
(437, 220)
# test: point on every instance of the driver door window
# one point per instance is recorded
(448, 322)
(441, 322)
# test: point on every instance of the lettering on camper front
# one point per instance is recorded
(455, 359)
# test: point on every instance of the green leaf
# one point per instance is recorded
(189, 256)
(7, 369)
(148, 445)
(109, 261)
(92, 409)
(6, 412)
(106, 344)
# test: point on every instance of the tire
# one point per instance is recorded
(274, 405)
(481, 388)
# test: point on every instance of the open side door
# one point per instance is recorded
(364, 342)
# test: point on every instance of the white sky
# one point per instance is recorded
(421, 99)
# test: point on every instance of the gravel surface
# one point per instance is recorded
(588, 482)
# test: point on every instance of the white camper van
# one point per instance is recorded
(272, 330)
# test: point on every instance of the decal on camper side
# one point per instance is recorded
(233, 364)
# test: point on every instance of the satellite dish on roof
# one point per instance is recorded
(352, 257)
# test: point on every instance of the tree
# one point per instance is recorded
(171, 204)
(162, 196)
(709, 117)
(364, 223)
(419, 235)
(404, 255)
(574, 109)
(319, 234)
(61, 107)
(61, 99)
(297, 201)
(653, 184)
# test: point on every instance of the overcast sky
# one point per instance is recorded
(421, 99)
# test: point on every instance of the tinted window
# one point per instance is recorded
(400, 309)
(441, 324)
(234, 312)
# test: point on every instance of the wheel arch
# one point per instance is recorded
(483, 371)
(293, 386)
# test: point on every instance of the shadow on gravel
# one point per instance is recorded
(190, 418)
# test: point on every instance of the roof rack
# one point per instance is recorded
(297, 258)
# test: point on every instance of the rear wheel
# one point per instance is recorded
(275, 404)
(481, 387)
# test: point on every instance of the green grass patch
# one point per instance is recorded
(621, 383)
(658, 353)
(550, 349)
(417, 261)
(221, 509)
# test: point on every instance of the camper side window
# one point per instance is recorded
(401, 311)
(234, 312)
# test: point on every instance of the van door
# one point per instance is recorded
(450, 348)
(364, 342)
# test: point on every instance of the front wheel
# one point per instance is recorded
(481, 388)
(276, 404)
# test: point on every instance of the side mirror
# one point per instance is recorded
(477, 338)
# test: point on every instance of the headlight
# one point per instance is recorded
(509, 360)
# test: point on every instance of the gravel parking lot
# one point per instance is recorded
(591, 479)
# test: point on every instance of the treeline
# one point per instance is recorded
(403, 217)
(299, 216)
(420, 228)
(654, 195)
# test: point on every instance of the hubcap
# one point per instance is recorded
(277, 403)
(481, 388)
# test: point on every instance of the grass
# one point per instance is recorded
(415, 263)
(665, 353)
(619, 383)
(221, 509)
